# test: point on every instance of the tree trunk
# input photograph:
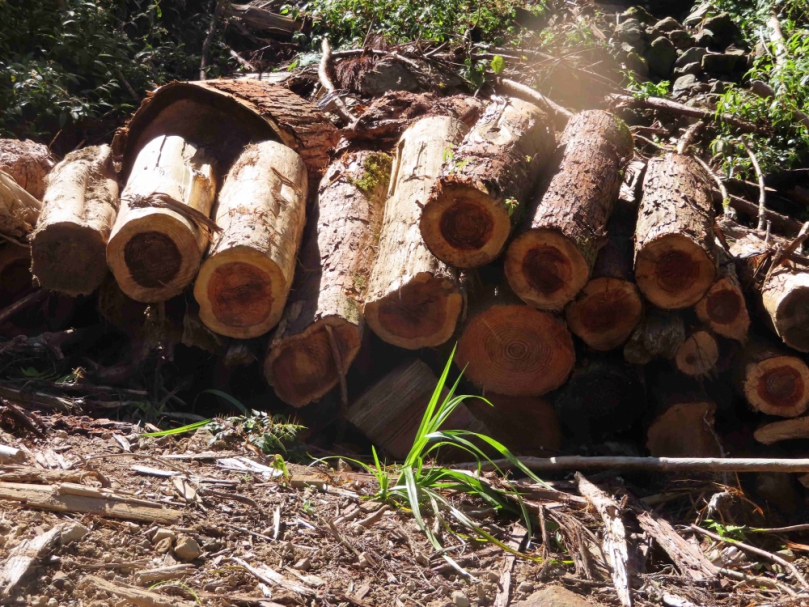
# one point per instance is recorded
(157, 242)
(698, 354)
(324, 309)
(244, 283)
(773, 381)
(27, 163)
(413, 299)
(674, 242)
(484, 184)
(69, 244)
(609, 307)
(15, 275)
(551, 261)
(19, 210)
(511, 348)
(723, 308)
(525, 424)
(660, 334)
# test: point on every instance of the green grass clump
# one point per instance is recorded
(375, 172)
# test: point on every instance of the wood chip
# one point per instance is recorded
(150, 576)
(125, 445)
(147, 471)
(134, 595)
(244, 464)
(273, 578)
(21, 559)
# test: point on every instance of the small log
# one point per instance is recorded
(698, 354)
(27, 163)
(132, 595)
(334, 268)
(773, 381)
(513, 349)
(659, 336)
(551, 261)
(244, 282)
(484, 183)
(785, 296)
(675, 263)
(15, 275)
(157, 242)
(524, 424)
(413, 299)
(606, 311)
(19, 210)
(68, 247)
(723, 308)
(786, 429)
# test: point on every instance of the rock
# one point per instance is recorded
(553, 596)
(73, 534)
(525, 587)
(187, 548)
(684, 83)
(724, 29)
(629, 31)
(661, 57)
(669, 24)
(303, 565)
(722, 63)
(697, 15)
(459, 599)
(681, 39)
(389, 74)
(690, 68)
(704, 38)
(163, 545)
(719, 87)
(637, 12)
(637, 64)
(161, 534)
(690, 56)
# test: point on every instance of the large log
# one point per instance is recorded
(675, 262)
(698, 354)
(323, 312)
(484, 183)
(27, 163)
(525, 424)
(69, 244)
(413, 299)
(510, 348)
(551, 261)
(723, 308)
(15, 275)
(772, 380)
(606, 311)
(157, 242)
(244, 282)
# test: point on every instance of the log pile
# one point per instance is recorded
(591, 294)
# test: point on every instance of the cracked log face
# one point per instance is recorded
(785, 295)
(724, 308)
(698, 354)
(684, 429)
(776, 385)
(674, 259)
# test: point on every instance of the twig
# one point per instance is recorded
(757, 551)
(21, 304)
(762, 189)
(803, 527)
(792, 247)
(719, 183)
(745, 207)
(753, 579)
(529, 94)
(659, 146)
(689, 137)
(324, 74)
(241, 60)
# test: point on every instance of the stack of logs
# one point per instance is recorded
(485, 228)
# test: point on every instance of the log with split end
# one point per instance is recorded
(321, 329)
(244, 283)
(724, 308)
(675, 262)
(413, 298)
(698, 354)
(773, 381)
(551, 261)
(157, 242)
(484, 183)
(68, 247)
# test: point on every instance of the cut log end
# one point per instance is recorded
(778, 386)
(463, 226)
(302, 368)
(698, 354)
(516, 350)
(791, 317)
(65, 258)
(422, 313)
(724, 309)
(674, 272)
(605, 312)
(684, 430)
(545, 269)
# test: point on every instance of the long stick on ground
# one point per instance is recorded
(650, 464)
(762, 196)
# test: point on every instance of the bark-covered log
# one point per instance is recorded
(243, 284)
(19, 210)
(551, 261)
(698, 354)
(724, 308)
(323, 311)
(413, 299)
(659, 335)
(510, 348)
(27, 163)
(484, 183)
(157, 242)
(69, 245)
(15, 274)
(773, 381)
(524, 424)
(607, 310)
(675, 260)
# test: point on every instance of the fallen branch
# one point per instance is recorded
(651, 464)
(745, 207)
(689, 137)
(762, 196)
(777, 38)
(526, 93)
(324, 74)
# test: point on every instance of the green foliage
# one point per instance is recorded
(498, 65)
(376, 172)
(644, 90)
(730, 533)
(751, 15)
(270, 433)
(180, 430)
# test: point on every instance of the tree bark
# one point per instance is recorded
(413, 299)
(606, 311)
(675, 262)
(773, 381)
(698, 354)
(524, 424)
(328, 293)
(27, 163)
(15, 275)
(243, 285)
(155, 251)
(19, 210)
(484, 184)
(660, 334)
(723, 308)
(551, 261)
(68, 247)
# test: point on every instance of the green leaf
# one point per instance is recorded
(498, 64)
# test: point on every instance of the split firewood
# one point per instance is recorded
(244, 282)
(774, 381)
(659, 335)
(15, 274)
(23, 557)
(511, 348)
(19, 211)
(525, 424)
(27, 163)
(485, 182)
(723, 308)
(413, 299)
(157, 242)
(68, 247)
(787, 429)
(321, 330)
(132, 595)
(675, 260)
(687, 557)
(606, 311)
(698, 354)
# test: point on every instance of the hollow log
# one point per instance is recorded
(773, 381)
(243, 285)
(27, 163)
(19, 210)
(659, 335)
(15, 275)
(675, 261)
(724, 308)
(524, 424)
(484, 183)
(551, 261)
(69, 244)
(698, 354)
(785, 429)
(157, 242)
(323, 312)
(413, 299)
(606, 311)
(510, 348)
